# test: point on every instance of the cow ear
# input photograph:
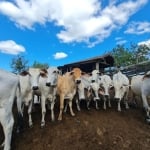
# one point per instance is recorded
(83, 73)
(43, 75)
(44, 70)
(71, 73)
(24, 73)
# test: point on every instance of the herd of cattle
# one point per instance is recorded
(49, 83)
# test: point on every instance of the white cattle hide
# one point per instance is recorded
(105, 85)
(9, 83)
(121, 87)
(48, 88)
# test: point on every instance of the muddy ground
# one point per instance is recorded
(88, 130)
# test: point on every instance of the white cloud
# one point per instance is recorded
(81, 20)
(120, 41)
(10, 47)
(60, 55)
(147, 42)
(138, 28)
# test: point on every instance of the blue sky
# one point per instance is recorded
(59, 32)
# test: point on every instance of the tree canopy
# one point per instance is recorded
(40, 65)
(128, 56)
(19, 64)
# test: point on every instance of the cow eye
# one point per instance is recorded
(121, 87)
(43, 75)
(55, 71)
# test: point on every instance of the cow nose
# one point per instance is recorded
(48, 84)
(78, 81)
(93, 81)
(35, 88)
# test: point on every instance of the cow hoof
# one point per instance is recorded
(42, 124)
(73, 114)
(59, 119)
(79, 109)
(31, 126)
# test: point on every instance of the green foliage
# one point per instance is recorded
(140, 53)
(18, 64)
(128, 56)
(121, 55)
(40, 65)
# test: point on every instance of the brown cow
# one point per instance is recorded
(66, 88)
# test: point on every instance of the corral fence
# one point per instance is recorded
(132, 70)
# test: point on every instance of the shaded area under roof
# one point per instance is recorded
(87, 65)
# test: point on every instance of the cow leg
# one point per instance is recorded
(119, 107)
(88, 103)
(7, 122)
(52, 111)
(78, 104)
(126, 100)
(29, 113)
(66, 106)
(61, 107)
(145, 105)
(96, 104)
(43, 110)
(109, 103)
(104, 106)
(70, 106)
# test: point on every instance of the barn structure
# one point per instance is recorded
(87, 65)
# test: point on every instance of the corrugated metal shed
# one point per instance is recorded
(87, 65)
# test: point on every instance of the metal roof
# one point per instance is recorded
(87, 64)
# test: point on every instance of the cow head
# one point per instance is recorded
(34, 74)
(76, 73)
(95, 76)
(53, 73)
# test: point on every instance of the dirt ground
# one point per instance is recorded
(88, 130)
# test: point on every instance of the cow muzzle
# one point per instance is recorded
(48, 84)
(78, 81)
(93, 81)
(35, 88)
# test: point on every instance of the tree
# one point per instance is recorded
(19, 64)
(40, 65)
(140, 53)
(128, 56)
(122, 56)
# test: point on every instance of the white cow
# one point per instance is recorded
(48, 88)
(84, 91)
(29, 82)
(140, 85)
(145, 91)
(9, 83)
(121, 87)
(95, 86)
(105, 85)
(136, 82)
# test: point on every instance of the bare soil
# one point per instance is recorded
(88, 130)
